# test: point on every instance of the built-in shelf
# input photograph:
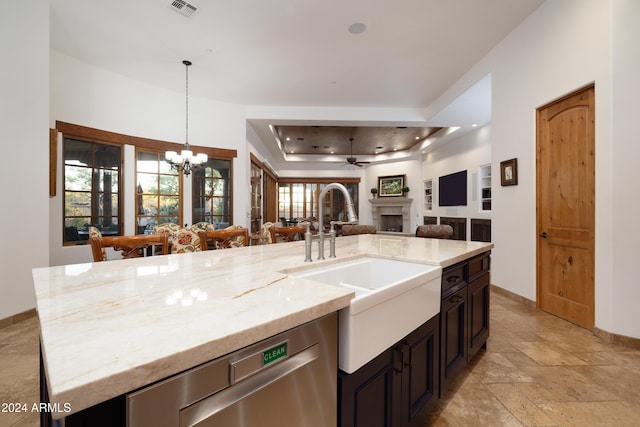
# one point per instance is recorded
(428, 195)
(485, 188)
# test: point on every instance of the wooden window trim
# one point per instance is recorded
(120, 214)
(288, 180)
(53, 161)
(230, 196)
(99, 135)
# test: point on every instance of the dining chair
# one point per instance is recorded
(167, 227)
(435, 231)
(287, 234)
(185, 240)
(353, 229)
(202, 226)
(265, 232)
(129, 246)
(224, 239)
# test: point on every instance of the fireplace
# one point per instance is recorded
(390, 223)
(391, 214)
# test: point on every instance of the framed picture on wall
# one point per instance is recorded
(509, 172)
(390, 186)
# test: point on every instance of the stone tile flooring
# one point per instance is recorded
(19, 372)
(538, 370)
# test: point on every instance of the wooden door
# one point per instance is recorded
(565, 167)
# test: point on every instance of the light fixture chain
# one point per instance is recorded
(186, 160)
(187, 63)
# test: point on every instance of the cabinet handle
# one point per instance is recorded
(452, 279)
(397, 359)
(544, 234)
(456, 298)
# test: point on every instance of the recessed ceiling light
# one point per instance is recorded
(417, 137)
(395, 149)
(357, 28)
(474, 125)
(288, 139)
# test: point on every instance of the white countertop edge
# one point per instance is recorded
(99, 387)
(105, 388)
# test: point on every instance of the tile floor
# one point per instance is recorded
(538, 370)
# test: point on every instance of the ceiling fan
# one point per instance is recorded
(352, 160)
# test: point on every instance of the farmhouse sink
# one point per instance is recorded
(392, 298)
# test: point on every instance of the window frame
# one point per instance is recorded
(74, 131)
(228, 196)
(159, 173)
(319, 184)
(94, 219)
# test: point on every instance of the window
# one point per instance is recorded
(297, 199)
(157, 191)
(93, 164)
(92, 189)
(212, 193)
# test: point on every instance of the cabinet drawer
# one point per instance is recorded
(453, 279)
(478, 265)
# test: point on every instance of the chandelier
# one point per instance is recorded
(186, 160)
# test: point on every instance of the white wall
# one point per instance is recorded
(563, 46)
(468, 152)
(24, 178)
(89, 96)
(624, 315)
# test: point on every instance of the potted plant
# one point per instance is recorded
(374, 192)
(405, 190)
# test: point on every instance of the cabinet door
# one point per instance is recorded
(370, 397)
(478, 295)
(453, 336)
(420, 372)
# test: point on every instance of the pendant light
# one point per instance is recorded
(186, 160)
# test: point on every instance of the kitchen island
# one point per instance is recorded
(113, 327)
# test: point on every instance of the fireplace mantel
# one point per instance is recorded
(391, 206)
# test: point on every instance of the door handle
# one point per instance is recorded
(544, 235)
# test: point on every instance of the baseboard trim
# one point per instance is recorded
(16, 318)
(621, 340)
(609, 337)
(512, 296)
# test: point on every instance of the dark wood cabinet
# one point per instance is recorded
(398, 387)
(464, 315)
(371, 395)
(480, 230)
(478, 303)
(459, 226)
(454, 336)
(426, 220)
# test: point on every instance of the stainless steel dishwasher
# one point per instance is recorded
(288, 380)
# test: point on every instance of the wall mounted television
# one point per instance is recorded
(452, 189)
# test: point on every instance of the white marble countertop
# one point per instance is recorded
(109, 328)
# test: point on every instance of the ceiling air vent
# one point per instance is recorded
(183, 8)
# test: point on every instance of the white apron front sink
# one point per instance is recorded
(392, 298)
